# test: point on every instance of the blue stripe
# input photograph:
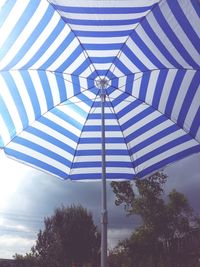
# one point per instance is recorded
(47, 89)
(130, 107)
(69, 38)
(174, 92)
(102, 47)
(158, 43)
(162, 149)
(102, 59)
(5, 10)
(61, 87)
(185, 24)
(24, 19)
(100, 22)
(121, 66)
(96, 164)
(42, 150)
(173, 38)
(33, 37)
(102, 33)
(159, 88)
(7, 120)
(33, 161)
(97, 152)
(145, 49)
(164, 162)
(188, 99)
(196, 6)
(70, 59)
(97, 176)
(67, 117)
(195, 124)
(144, 85)
(103, 10)
(58, 128)
(133, 58)
(85, 64)
(55, 33)
(32, 93)
(52, 139)
(16, 98)
(137, 118)
(154, 138)
(92, 140)
(146, 128)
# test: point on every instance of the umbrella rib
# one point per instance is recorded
(147, 71)
(59, 104)
(139, 23)
(131, 157)
(89, 112)
(84, 51)
(145, 103)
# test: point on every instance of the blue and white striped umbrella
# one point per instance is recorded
(79, 77)
(55, 56)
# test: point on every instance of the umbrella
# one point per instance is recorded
(105, 89)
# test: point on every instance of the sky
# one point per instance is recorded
(28, 195)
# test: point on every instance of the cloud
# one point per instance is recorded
(10, 245)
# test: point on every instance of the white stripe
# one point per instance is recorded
(180, 34)
(4, 132)
(159, 143)
(52, 48)
(120, 158)
(66, 53)
(11, 106)
(103, 28)
(131, 114)
(102, 53)
(191, 14)
(12, 20)
(96, 170)
(39, 91)
(166, 90)
(151, 87)
(100, 40)
(88, 134)
(104, 3)
(102, 16)
(181, 94)
(151, 132)
(128, 63)
(145, 38)
(192, 110)
(76, 63)
(34, 154)
(114, 146)
(55, 134)
(166, 154)
(22, 89)
(43, 143)
(98, 122)
(165, 40)
(144, 121)
(54, 87)
(64, 123)
(139, 54)
(25, 34)
(68, 109)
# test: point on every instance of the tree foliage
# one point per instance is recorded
(69, 237)
(163, 219)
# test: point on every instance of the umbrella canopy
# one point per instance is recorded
(55, 56)
(65, 63)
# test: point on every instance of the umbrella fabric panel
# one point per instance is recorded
(49, 45)
(103, 26)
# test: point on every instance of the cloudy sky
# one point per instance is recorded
(27, 196)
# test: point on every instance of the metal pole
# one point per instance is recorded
(104, 201)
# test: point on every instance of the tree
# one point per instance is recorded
(162, 219)
(69, 237)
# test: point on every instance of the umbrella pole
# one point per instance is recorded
(104, 201)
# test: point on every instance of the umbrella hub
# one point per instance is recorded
(102, 83)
